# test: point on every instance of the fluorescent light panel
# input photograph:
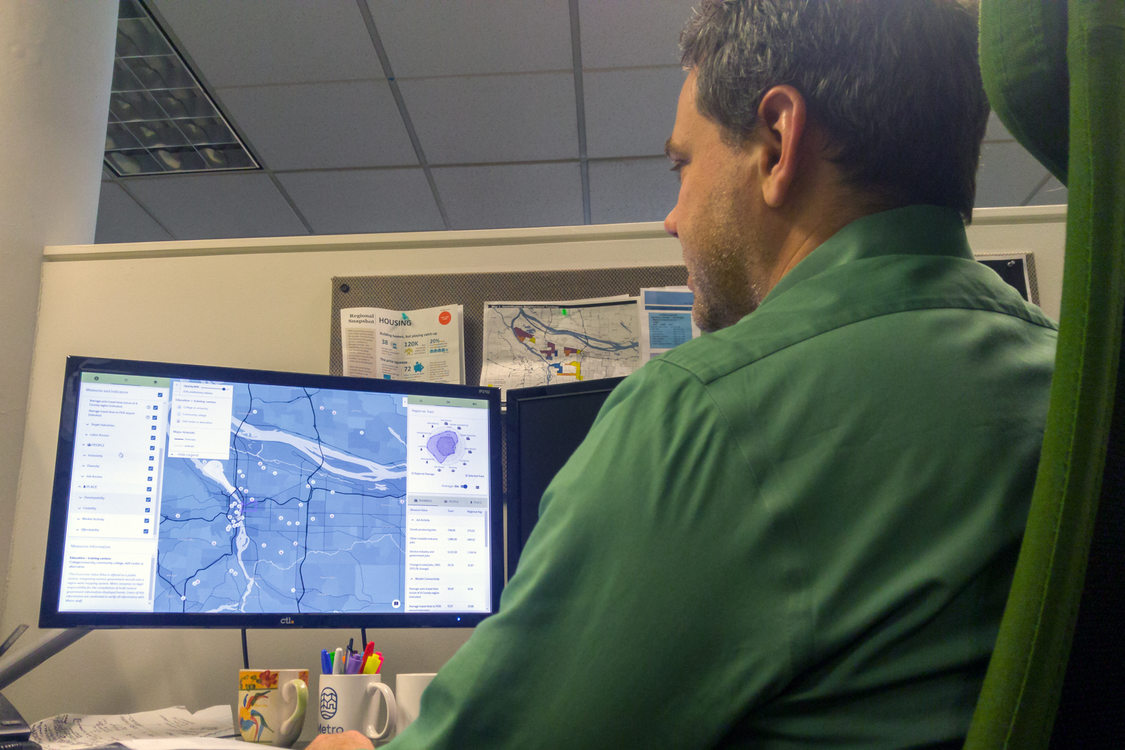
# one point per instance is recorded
(160, 119)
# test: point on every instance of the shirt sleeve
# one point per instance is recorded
(637, 616)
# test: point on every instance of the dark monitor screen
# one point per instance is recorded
(217, 497)
(545, 424)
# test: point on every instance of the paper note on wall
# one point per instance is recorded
(666, 320)
(426, 345)
(538, 343)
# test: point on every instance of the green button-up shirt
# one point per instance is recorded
(795, 532)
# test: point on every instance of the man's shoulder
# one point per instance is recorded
(842, 298)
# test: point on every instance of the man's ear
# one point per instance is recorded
(782, 115)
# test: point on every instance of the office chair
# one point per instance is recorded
(1053, 73)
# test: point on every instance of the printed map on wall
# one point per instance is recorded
(538, 343)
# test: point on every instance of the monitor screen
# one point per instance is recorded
(544, 426)
(203, 496)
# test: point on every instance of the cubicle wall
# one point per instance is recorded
(265, 303)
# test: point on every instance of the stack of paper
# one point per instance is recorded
(173, 728)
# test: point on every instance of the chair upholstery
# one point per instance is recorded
(1053, 71)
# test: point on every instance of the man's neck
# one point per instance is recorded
(818, 217)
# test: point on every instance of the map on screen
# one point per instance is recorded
(314, 484)
(202, 496)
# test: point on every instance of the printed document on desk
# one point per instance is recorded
(539, 343)
(208, 729)
(423, 344)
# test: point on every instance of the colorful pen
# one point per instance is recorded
(373, 663)
(368, 650)
(325, 661)
(338, 662)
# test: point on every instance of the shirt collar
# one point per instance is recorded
(913, 230)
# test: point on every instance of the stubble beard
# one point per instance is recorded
(729, 271)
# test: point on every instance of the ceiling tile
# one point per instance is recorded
(630, 112)
(254, 42)
(628, 33)
(215, 206)
(1054, 193)
(494, 118)
(314, 126)
(1008, 175)
(304, 87)
(511, 195)
(439, 37)
(120, 219)
(628, 190)
(364, 200)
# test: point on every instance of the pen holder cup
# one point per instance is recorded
(271, 705)
(351, 702)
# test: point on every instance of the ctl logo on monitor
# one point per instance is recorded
(287, 621)
(328, 703)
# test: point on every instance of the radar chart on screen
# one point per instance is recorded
(448, 453)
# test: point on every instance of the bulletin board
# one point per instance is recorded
(472, 290)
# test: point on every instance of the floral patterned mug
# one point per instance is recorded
(271, 705)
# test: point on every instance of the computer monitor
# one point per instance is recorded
(544, 425)
(199, 496)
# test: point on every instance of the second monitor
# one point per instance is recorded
(544, 425)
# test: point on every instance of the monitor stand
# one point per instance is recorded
(14, 667)
(13, 728)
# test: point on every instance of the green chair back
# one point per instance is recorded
(1055, 74)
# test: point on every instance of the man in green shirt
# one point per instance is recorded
(798, 530)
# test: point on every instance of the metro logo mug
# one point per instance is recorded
(271, 705)
(351, 701)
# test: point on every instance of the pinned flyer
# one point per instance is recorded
(426, 345)
(666, 320)
(539, 343)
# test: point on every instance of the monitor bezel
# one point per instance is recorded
(515, 399)
(51, 617)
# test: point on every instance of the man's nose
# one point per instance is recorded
(670, 223)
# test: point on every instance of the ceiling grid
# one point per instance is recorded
(385, 116)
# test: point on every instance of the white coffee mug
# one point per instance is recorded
(408, 694)
(351, 701)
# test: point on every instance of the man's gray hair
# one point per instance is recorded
(895, 84)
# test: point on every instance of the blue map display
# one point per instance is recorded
(307, 513)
